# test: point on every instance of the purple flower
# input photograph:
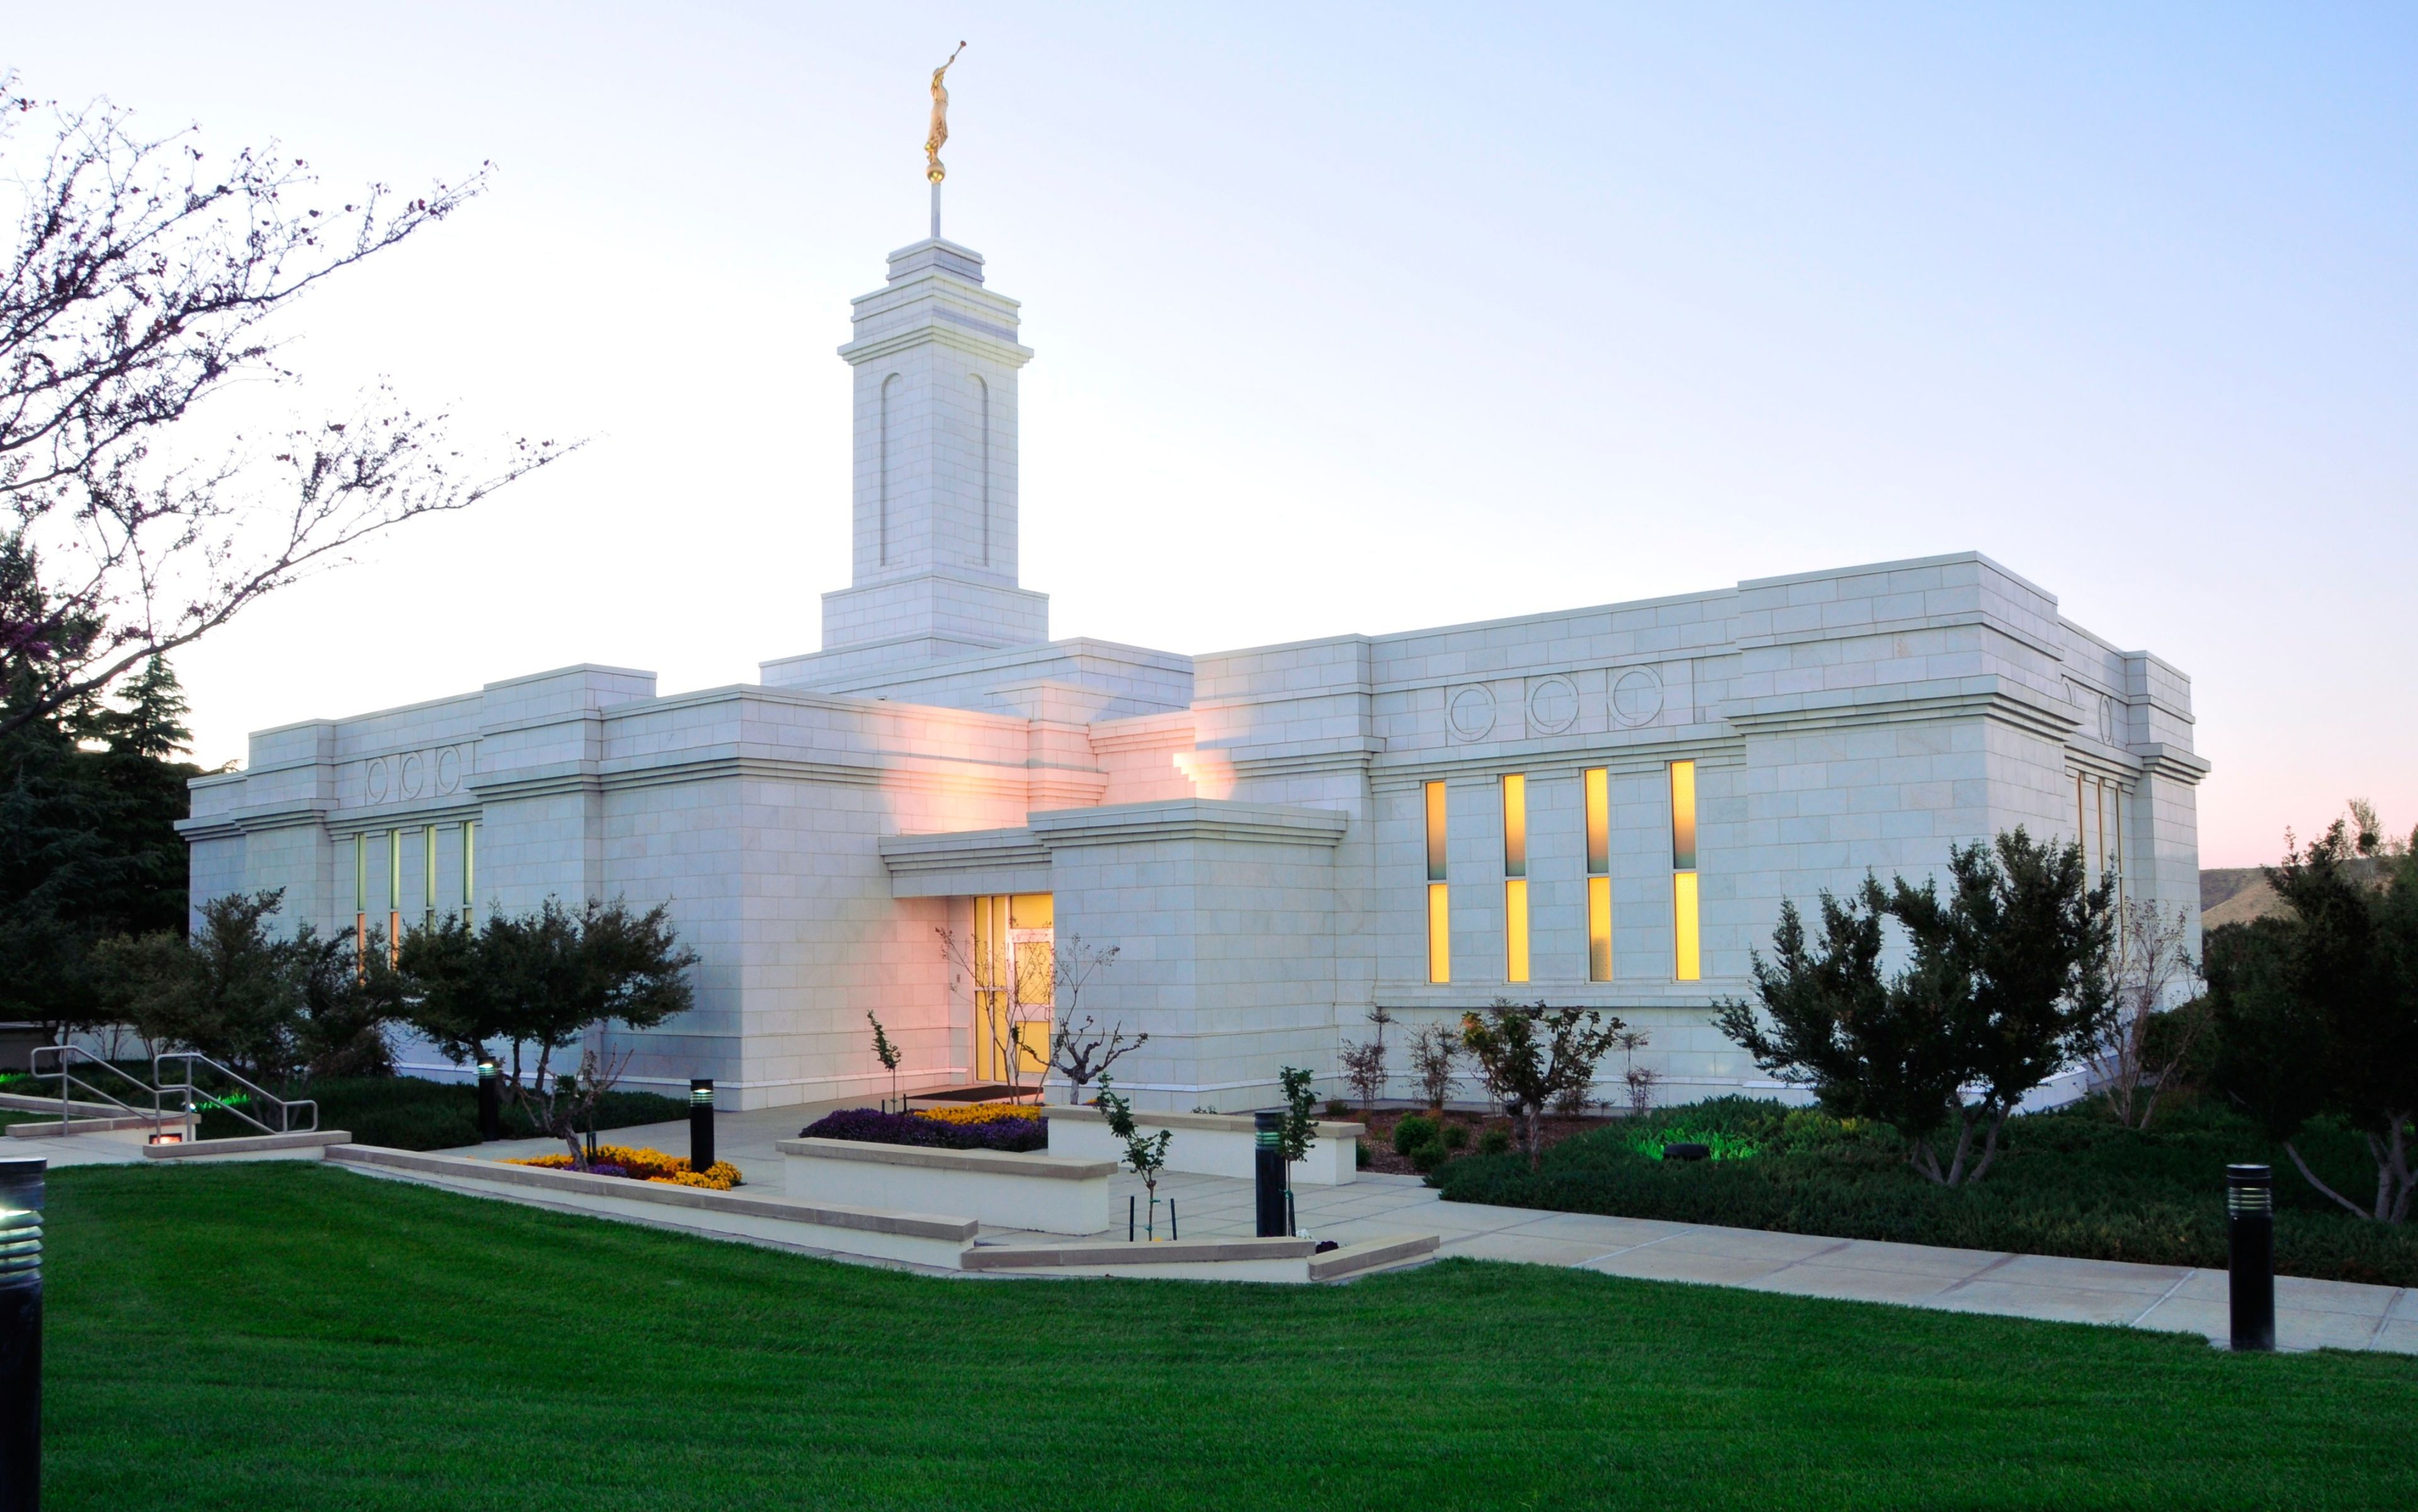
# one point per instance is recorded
(873, 1126)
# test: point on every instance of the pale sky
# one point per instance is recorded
(1364, 320)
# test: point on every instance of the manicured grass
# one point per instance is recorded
(2070, 1182)
(296, 1336)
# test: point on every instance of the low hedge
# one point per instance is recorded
(410, 1113)
(2070, 1182)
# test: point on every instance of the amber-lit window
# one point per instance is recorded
(1515, 878)
(2099, 828)
(1598, 865)
(428, 875)
(361, 897)
(469, 854)
(393, 894)
(1439, 897)
(1686, 961)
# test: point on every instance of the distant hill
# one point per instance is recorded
(2235, 894)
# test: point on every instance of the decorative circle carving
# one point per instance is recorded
(1637, 696)
(448, 770)
(1553, 705)
(375, 781)
(1470, 712)
(411, 773)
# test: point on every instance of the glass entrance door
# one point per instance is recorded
(1015, 985)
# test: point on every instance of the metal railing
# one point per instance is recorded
(184, 1099)
(195, 1098)
(66, 1058)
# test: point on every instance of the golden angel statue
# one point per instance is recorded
(933, 169)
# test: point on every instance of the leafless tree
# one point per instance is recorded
(1364, 1070)
(1082, 1054)
(2133, 1064)
(139, 281)
(1640, 1079)
(1436, 1057)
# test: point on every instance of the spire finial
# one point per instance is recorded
(938, 137)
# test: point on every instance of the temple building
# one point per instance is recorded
(1602, 805)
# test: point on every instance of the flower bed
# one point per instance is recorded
(641, 1165)
(1009, 1126)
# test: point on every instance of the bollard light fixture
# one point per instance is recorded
(21, 1332)
(2250, 1223)
(1268, 1173)
(700, 1124)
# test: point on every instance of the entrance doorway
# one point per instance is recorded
(1015, 982)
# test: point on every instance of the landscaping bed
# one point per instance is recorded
(1385, 1124)
(338, 1342)
(1017, 1128)
(2069, 1182)
(640, 1164)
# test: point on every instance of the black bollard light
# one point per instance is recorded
(2250, 1214)
(700, 1124)
(1268, 1173)
(20, 1335)
(491, 1103)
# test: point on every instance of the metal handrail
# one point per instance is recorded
(67, 1055)
(261, 1098)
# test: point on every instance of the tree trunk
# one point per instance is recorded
(2311, 1177)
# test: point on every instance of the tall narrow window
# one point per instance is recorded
(1687, 962)
(360, 899)
(469, 853)
(881, 480)
(393, 892)
(1598, 865)
(1515, 878)
(428, 874)
(982, 389)
(1439, 897)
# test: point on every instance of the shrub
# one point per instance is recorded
(1411, 1133)
(1427, 1156)
(1455, 1136)
(1362, 1158)
(1338, 1107)
(1495, 1142)
(2070, 1182)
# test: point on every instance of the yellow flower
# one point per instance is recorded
(978, 1112)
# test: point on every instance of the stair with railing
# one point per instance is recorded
(184, 1085)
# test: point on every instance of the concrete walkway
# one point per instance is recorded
(2308, 1314)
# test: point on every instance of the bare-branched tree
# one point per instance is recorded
(2157, 1018)
(141, 278)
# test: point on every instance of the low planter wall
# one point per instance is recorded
(1050, 1193)
(925, 1239)
(1205, 1144)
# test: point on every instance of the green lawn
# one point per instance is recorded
(295, 1337)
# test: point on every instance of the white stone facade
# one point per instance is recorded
(1248, 828)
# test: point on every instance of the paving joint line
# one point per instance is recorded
(2390, 1303)
(2162, 1300)
(2004, 1260)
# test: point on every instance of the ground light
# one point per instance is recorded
(21, 1334)
(491, 1103)
(1268, 1173)
(2250, 1214)
(700, 1124)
